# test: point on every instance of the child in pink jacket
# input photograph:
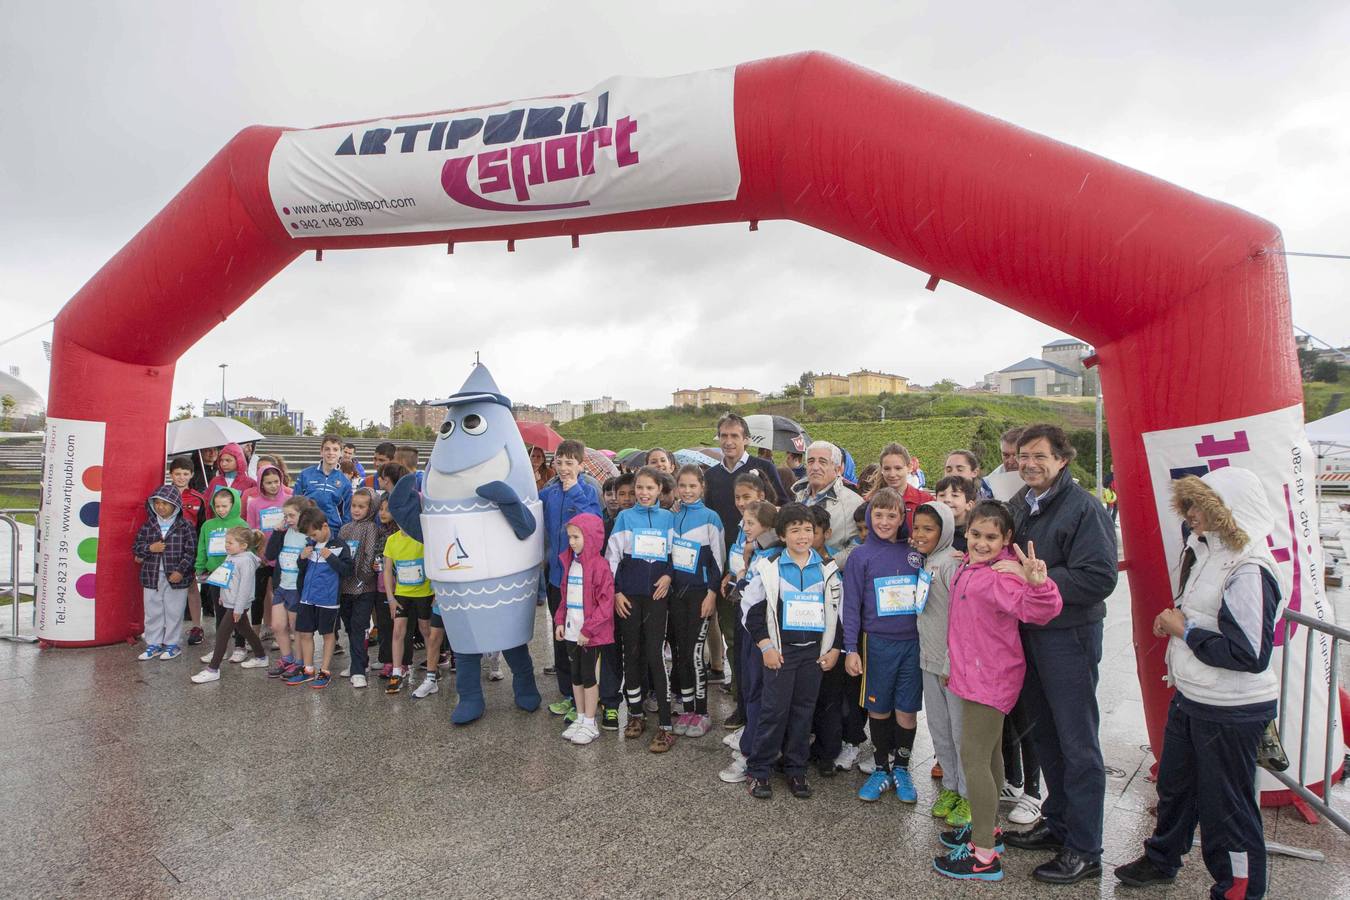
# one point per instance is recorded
(585, 618)
(991, 594)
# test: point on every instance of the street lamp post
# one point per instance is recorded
(223, 367)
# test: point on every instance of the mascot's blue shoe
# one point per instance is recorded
(469, 684)
(522, 678)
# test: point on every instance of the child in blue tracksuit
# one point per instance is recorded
(564, 499)
(323, 564)
(881, 637)
(696, 545)
(792, 616)
(639, 556)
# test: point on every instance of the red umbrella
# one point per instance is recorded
(537, 434)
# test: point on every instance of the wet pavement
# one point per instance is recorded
(122, 779)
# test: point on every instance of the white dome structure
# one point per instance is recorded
(27, 402)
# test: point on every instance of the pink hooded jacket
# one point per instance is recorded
(243, 483)
(597, 583)
(255, 501)
(982, 635)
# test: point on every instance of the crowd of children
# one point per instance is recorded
(830, 639)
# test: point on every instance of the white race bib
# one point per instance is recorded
(222, 575)
(804, 610)
(896, 595)
(215, 544)
(925, 582)
(409, 572)
(684, 555)
(272, 518)
(649, 544)
(574, 592)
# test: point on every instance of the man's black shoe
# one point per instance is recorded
(734, 721)
(1039, 837)
(760, 788)
(799, 788)
(1142, 873)
(1068, 867)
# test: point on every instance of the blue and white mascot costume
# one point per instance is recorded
(478, 517)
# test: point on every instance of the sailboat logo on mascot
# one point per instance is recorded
(478, 516)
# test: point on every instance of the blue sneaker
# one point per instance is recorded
(150, 652)
(904, 786)
(878, 783)
(170, 651)
(300, 676)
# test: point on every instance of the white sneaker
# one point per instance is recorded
(346, 673)
(734, 773)
(205, 676)
(1027, 810)
(585, 734)
(495, 672)
(206, 657)
(848, 755)
(254, 662)
(1010, 793)
(867, 763)
(239, 655)
(358, 681)
(428, 687)
(733, 740)
(571, 730)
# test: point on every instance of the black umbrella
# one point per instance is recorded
(635, 460)
(777, 433)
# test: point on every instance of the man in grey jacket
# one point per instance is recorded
(1073, 534)
(824, 485)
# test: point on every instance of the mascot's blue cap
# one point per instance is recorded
(479, 387)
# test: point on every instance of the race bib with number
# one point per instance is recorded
(804, 610)
(408, 572)
(684, 555)
(574, 592)
(896, 595)
(289, 560)
(215, 544)
(271, 519)
(222, 575)
(921, 596)
(649, 544)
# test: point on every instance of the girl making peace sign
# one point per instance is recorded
(997, 587)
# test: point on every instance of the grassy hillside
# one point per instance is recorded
(1318, 397)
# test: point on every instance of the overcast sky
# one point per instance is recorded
(110, 108)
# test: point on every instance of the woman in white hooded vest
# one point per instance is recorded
(1220, 636)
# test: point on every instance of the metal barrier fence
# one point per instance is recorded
(16, 582)
(1332, 740)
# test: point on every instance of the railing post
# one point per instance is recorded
(15, 546)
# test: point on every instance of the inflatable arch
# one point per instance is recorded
(1185, 299)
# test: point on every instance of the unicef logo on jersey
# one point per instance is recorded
(915, 559)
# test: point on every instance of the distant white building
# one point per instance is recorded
(28, 403)
(256, 410)
(1058, 373)
(566, 410)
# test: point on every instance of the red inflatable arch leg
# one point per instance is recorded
(1185, 299)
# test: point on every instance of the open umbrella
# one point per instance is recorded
(599, 465)
(777, 433)
(714, 452)
(631, 459)
(690, 456)
(207, 431)
(537, 434)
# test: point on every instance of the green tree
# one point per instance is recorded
(1327, 370)
(945, 386)
(276, 426)
(407, 431)
(338, 423)
(7, 404)
(373, 430)
(185, 411)
(807, 382)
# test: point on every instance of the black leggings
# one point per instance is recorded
(583, 663)
(1021, 766)
(689, 630)
(384, 624)
(241, 630)
(644, 632)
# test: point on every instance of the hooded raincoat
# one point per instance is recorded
(180, 542)
(597, 582)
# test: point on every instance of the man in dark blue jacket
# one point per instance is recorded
(1073, 534)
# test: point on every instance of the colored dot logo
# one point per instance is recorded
(88, 550)
(92, 479)
(89, 514)
(84, 586)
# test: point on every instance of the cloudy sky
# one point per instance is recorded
(110, 109)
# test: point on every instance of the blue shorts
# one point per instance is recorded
(892, 679)
(316, 619)
(290, 597)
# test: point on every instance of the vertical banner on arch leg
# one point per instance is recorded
(68, 529)
(1274, 446)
